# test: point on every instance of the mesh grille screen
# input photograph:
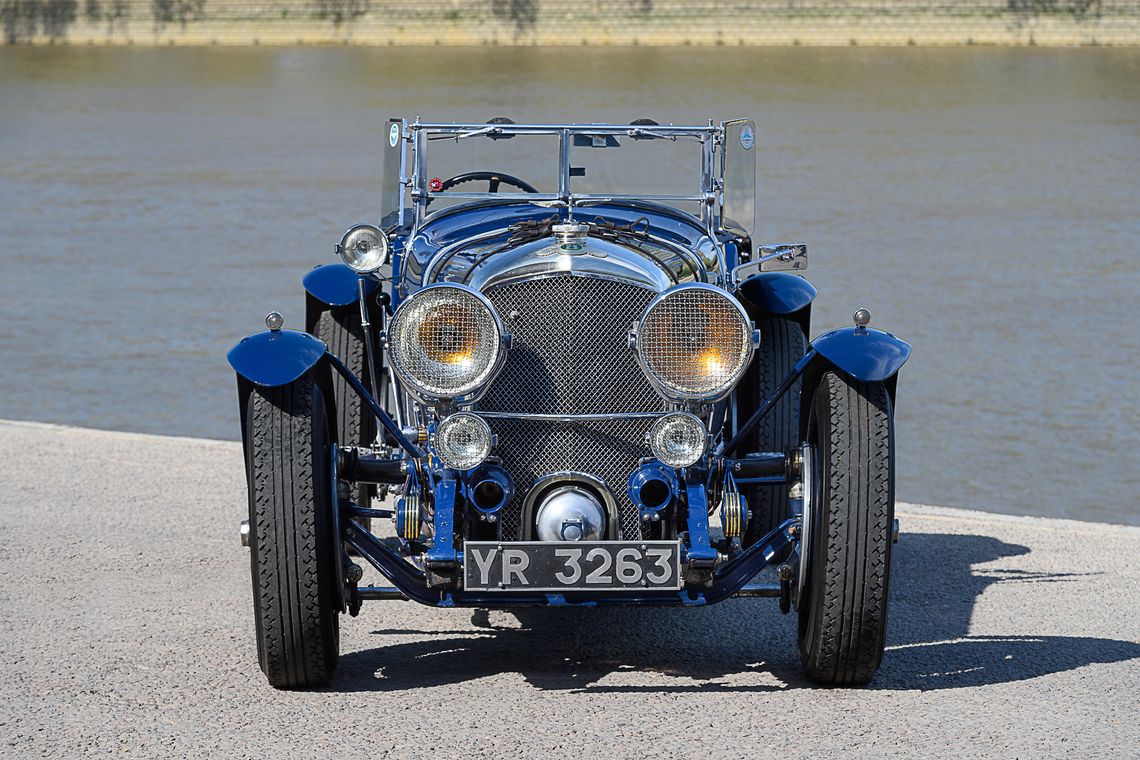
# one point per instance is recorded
(570, 352)
(606, 449)
(570, 356)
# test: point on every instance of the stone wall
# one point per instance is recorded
(588, 22)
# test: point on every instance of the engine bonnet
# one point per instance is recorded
(665, 254)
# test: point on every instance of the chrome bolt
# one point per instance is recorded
(861, 317)
(274, 320)
(243, 529)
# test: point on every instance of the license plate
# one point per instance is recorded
(571, 566)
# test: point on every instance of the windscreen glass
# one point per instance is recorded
(739, 156)
(391, 191)
(484, 164)
(639, 167)
(621, 165)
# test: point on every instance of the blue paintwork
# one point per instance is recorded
(443, 521)
(275, 357)
(336, 284)
(492, 472)
(642, 475)
(699, 548)
(731, 255)
(864, 353)
(729, 578)
(777, 292)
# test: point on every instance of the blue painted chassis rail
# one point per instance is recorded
(728, 579)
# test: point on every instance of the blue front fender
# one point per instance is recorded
(777, 292)
(336, 284)
(275, 357)
(864, 353)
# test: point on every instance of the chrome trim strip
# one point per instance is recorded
(573, 197)
(571, 417)
(587, 129)
(600, 259)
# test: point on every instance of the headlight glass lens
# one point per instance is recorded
(445, 342)
(463, 441)
(695, 342)
(678, 439)
(364, 249)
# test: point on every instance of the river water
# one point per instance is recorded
(155, 204)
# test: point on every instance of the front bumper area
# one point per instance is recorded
(728, 579)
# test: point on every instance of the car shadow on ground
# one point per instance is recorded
(742, 644)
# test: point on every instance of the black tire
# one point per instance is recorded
(292, 550)
(782, 344)
(342, 331)
(843, 617)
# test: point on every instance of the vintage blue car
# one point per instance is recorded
(567, 394)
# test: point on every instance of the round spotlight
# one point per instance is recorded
(446, 342)
(694, 342)
(677, 439)
(364, 249)
(462, 441)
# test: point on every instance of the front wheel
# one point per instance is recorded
(292, 547)
(843, 617)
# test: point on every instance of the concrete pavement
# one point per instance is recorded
(127, 630)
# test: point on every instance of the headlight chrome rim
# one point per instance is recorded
(670, 388)
(364, 260)
(688, 423)
(446, 446)
(487, 366)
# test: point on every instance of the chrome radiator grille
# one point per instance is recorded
(608, 449)
(570, 356)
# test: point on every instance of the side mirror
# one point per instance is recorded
(782, 257)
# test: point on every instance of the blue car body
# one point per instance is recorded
(579, 274)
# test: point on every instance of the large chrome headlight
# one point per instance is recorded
(364, 248)
(446, 342)
(694, 342)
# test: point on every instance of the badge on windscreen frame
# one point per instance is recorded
(394, 135)
(747, 137)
